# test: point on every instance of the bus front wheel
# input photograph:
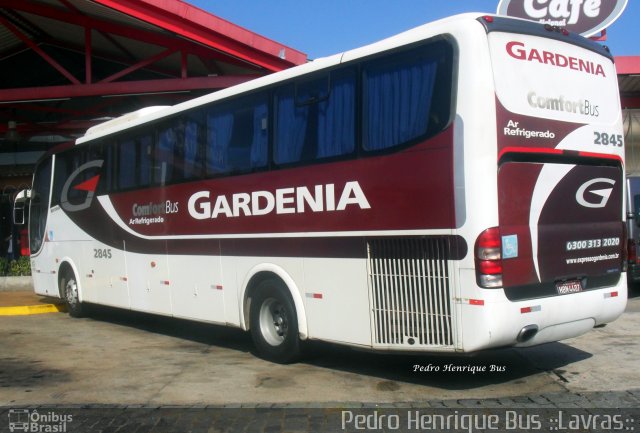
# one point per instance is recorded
(274, 323)
(69, 286)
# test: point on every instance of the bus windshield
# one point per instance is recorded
(39, 204)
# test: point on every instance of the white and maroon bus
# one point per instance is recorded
(453, 188)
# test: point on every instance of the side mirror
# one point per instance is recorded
(19, 205)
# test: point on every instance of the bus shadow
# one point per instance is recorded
(188, 330)
(444, 371)
(452, 371)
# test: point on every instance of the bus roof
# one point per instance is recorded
(416, 34)
(409, 36)
(124, 120)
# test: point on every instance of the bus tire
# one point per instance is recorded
(274, 323)
(69, 289)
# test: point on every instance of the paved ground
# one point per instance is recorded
(119, 371)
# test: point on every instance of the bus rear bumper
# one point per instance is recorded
(559, 332)
(500, 322)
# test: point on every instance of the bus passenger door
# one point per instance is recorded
(44, 270)
(42, 259)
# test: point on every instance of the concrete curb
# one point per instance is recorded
(26, 310)
(16, 284)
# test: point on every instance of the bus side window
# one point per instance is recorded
(73, 160)
(127, 169)
(96, 153)
(144, 149)
(260, 139)
(60, 176)
(193, 150)
(219, 125)
(129, 163)
(109, 169)
(164, 160)
(237, 136)
(315, 119)
(336, 122)
(239, 149)
(397, 99)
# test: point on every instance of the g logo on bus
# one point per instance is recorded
(88, 185)
(603, 193)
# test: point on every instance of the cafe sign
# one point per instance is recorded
(586, 17)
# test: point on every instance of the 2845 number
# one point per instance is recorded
(102, 253)
(604, 139)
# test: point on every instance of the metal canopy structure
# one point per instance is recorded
(66, 65)
(628, 69)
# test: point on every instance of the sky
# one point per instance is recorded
(321, 28)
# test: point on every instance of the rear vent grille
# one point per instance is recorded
(410, 292)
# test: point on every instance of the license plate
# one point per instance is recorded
(567, 287)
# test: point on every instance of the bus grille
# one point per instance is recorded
(410, 292)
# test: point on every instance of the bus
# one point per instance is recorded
(454, 188)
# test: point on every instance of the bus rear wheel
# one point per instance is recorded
(69, 288)
(274, 323)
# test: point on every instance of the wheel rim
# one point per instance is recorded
(273, 322)
(71, 289)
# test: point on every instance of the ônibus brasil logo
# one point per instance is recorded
(320, 198)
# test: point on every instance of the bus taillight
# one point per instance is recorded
(488, 255)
